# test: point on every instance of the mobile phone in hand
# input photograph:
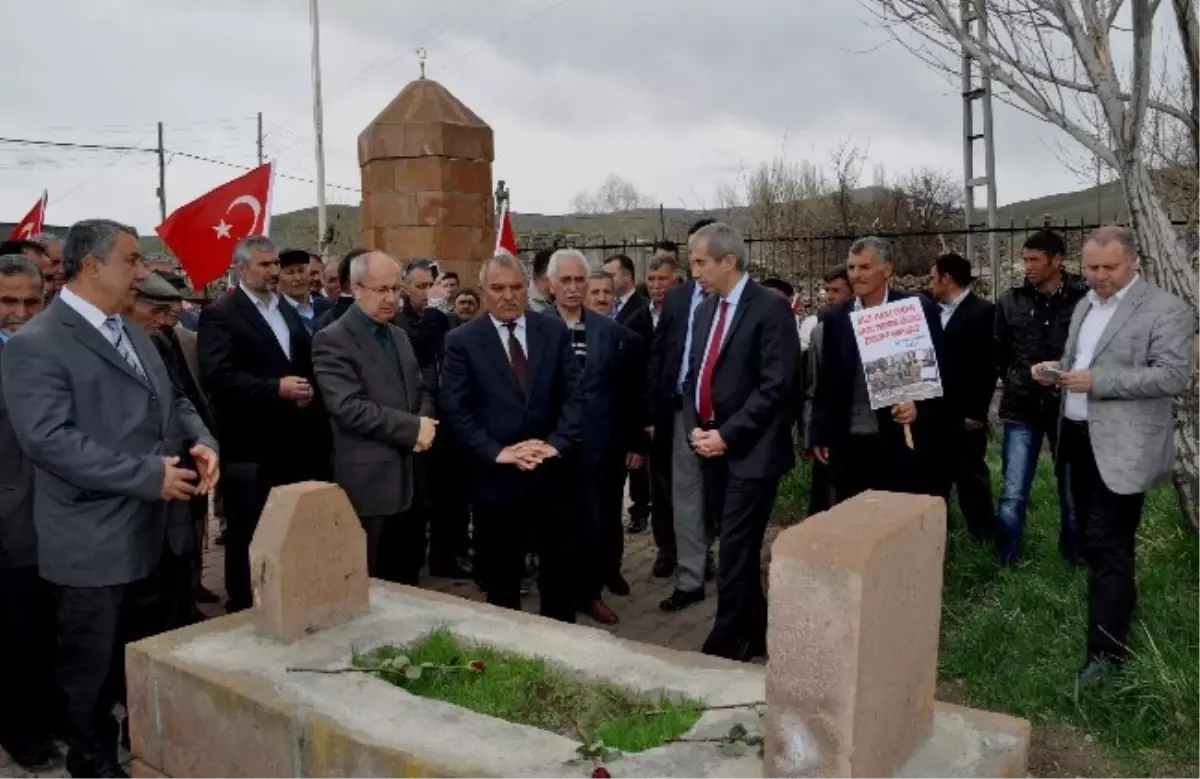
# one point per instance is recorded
(1050, 372)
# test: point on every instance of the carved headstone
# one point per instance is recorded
(308, 561)
(855, 610)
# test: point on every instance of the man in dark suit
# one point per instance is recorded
(295, 285)
(256, 366)
(969, 382)
(609, 426)
(444, 505)
(627, 302)
(661, 275)
(94, 409)
(738, 413)
(152, 311)
(382, 413)
(665, 377)
(510, 393)
(866, 449)
(26, 608)
(344, 300)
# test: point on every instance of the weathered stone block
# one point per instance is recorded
(389, 209)
(453, 209)
(140, 770)
(308, 561)
(853, 636)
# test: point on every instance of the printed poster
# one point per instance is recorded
(898, 359)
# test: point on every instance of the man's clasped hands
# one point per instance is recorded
(526, 455)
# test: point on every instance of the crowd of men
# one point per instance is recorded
(490, 432)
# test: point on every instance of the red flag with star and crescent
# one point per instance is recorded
(202, 233)
(506, 239)
(32, 223)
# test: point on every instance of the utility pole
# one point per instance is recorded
(317, 125)
(974, 22)
(260, 150)
(162, 176)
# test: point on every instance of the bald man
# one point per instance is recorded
(382, 415)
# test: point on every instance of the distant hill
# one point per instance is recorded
(1094, 205)
(299, 228)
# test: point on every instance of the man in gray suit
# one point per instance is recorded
(381, 413)
(94, 409)
(1128, 354)
(26, 610)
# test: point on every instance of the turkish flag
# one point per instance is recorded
(32, 223)
(506, 239)
(203, 233)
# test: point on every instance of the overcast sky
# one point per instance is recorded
(673, 95)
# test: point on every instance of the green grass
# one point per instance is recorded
(1012, 639)
(530, 691)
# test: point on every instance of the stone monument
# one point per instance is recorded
(847, 691)
(426, 163)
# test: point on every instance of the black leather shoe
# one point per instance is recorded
(637, 526)
(663, 569)
(452, 569)
(618, 586)
(1094, 671)
(205, 595)
(103, 768)
(681, 599)
(36, 757)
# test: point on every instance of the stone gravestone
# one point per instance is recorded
(308, 562)
(855, 610)
(426, 164)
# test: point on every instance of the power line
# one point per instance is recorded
(154, 150)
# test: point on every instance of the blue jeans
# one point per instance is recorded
(1019, 458)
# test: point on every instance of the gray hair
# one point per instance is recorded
(96, 237)
(245, 247)
(883, 249)
(658, 263)
(504, 260)
(19, 265)
(565, 254)
(360, 263)
(45, 239)
(600, 274)
(720, 239)
(1103, 236)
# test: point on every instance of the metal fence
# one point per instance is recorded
(803, 260)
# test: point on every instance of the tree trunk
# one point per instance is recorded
(1167, 265)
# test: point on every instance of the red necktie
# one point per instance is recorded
(710, 365)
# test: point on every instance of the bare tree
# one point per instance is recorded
(613, 196)
(1049, 57)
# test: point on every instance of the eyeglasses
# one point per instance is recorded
(383, 291)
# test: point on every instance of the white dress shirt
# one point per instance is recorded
(622, 301)
(305, 310)
(806, 327)
(519, 332)
(697, 299)
(1094, 322)
(96, 318)
(274, 318)
(947, 309)
(731, 299)
(655, 314)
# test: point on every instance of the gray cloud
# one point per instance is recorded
(675, 95)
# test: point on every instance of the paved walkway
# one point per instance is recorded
(641, 619)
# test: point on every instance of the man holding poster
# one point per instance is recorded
(877, 414)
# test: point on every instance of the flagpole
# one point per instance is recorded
(318, 123)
